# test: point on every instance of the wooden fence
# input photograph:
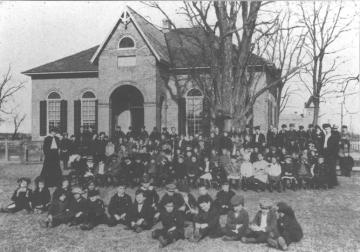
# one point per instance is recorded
(21, 151)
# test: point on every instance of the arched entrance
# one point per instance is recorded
(126, 108)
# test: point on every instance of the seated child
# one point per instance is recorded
(289, 228)
(21, 198)
(59, 212)
(189, 206)
(218, 173)
(95, 212)
(288, 174)
(237, 221)
(91, 187)
(170, 194)
(320, 174)
(204, 194)
(264, 224)
(260, 173)
(223, 197)
(172, 225)
(40, 199)
(274, 172)
(180, 169)
(247, 173)
(78, 207)
(206, 222)
(149, 191)
(142, 214)
(119, 207)
(304, 175)
(65, 188)
(192, 171)
(346, 163)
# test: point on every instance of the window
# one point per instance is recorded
(54, 108)
(194, 109)
(88, 110)
(126, 61)
(126, 42)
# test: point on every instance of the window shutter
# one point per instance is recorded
(63, 116)
(182, 115)
(96, 115)
(43, 119)
(77, 117)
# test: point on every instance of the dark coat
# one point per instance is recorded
(119, 205)
(40, 198)
(232, 221)
(146, 213)
(211, 218)
(271, 221)
(288, 226)
(173, 219)
(152, 197)
(176, 198)
(222, 201)
(58, 207)
(78, 206)
(95, 208)
(22, 199)
(51, 171)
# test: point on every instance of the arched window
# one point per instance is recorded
(194, 109)
(126, 42)
(54, 111)
(88, 110)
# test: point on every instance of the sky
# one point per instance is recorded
(35, 33)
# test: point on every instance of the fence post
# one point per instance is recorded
(6, 150)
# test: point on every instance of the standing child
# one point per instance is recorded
(173, 225)
(40, 198)
(21, 198)
(237, 221)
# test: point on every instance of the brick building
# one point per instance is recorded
(138, 76)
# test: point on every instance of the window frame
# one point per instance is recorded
(82, 101)
(48, 101)
(193, 98)
(126, 48)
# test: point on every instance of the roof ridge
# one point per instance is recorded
(145, 19)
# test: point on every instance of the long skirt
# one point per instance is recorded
(51, 171)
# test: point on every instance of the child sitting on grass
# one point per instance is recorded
(59, 212)
(142, 214)
(40, 199)
(21, 198)
(95, 211)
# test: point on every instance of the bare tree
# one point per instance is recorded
(7, 90)
(325, 23)
(227, 30)
(17, 120)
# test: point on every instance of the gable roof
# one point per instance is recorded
(187, 48)
(78, 62)
(153, 37)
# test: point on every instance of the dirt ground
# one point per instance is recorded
(330, 220)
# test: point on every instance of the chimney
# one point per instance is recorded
(166, 25)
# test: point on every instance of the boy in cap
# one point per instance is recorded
(78, 207)
(206, 222)
(149, 191)
(141, 214)
(119, 207)
(172, 225)
(237, 221)
(264, 224)
(96, 211)
(21, 198)
(223, 197)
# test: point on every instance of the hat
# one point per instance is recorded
(291, 125)
(326, 125)
(257, 127)
(344, 127)
(77, 190)
(93, 193)
(204, 199)
(283, 126)
(168, 201)
(170, 187)
(237, 200)
(301, 127)
(225, 182)
(310, 126)
(287, 156)
(265, 203)
(335, 126)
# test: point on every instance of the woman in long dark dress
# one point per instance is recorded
(51, 171)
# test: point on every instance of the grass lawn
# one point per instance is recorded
(330, 220)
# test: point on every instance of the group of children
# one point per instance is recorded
(180, 213)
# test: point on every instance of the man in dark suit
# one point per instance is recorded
(331, 150)
(258, 138)
(51, 171)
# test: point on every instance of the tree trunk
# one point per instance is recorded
(316, 112)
